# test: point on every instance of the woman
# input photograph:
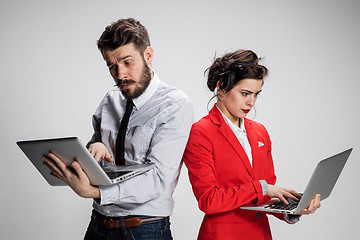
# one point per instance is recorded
(229, 156)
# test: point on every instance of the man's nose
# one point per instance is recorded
(121, 73)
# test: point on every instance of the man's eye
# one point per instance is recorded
(127, 63)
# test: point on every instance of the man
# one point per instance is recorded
(157, 132)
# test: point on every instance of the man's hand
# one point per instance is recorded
(77, 180)
(281, 193)
(99, 151)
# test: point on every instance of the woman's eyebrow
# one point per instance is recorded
(248, 91)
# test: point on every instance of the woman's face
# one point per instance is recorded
(237, 103)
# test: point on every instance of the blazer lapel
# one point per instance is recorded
(228, 134)
(255, 143)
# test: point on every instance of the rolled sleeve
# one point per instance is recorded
(109, 194)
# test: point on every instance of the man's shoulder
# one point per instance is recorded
(173, 94)
(171, 91)
(113, 94)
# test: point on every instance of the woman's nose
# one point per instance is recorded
(251, 100)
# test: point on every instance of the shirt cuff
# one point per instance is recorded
(264, 186)
(109, 194)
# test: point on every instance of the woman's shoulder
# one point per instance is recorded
(257, 127)
(254, 124)
(204, 126)
(204, 122)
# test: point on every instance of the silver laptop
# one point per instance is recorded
(322, 181)
(70, 149)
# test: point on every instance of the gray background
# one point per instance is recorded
(53, 78)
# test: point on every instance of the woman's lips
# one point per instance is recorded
(246, 110)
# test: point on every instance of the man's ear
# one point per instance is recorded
(148, 55)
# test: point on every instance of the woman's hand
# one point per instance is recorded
(314, 205)
(99, 151)
(281, 193)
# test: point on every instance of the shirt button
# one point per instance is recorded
(258, 215)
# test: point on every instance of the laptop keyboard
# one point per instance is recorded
(282, 206)
(113, 175)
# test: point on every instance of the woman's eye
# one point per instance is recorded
(244, 94)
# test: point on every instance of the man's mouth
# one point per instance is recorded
(125, 84)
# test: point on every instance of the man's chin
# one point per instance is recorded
(127, 93)
(131, 93)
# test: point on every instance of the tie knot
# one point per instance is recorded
(129, 104)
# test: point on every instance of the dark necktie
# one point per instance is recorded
(119, 159)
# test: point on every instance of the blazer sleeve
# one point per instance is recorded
(211, 195)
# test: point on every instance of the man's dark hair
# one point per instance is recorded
(122, 32)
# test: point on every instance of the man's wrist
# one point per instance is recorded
(92, 192)
(96, 192)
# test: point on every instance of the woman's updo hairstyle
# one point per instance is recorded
(231, 68)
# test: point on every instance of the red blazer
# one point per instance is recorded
(223, 179)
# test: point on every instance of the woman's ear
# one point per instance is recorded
(221, 92)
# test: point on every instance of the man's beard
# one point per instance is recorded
(143, 83)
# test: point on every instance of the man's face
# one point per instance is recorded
(130, 69)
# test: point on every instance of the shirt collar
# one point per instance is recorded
(232, 125)
(148, 93)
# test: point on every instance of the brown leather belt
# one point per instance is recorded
(129, 222)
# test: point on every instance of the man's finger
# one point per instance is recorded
(58, 161)
(79, 171)
(109, 158)
(57, 176)
(97, 156)
(51, 165)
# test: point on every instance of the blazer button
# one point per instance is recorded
(258, 215)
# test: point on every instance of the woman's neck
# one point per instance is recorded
(235, 120)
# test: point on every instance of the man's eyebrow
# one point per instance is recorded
(118, 60)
